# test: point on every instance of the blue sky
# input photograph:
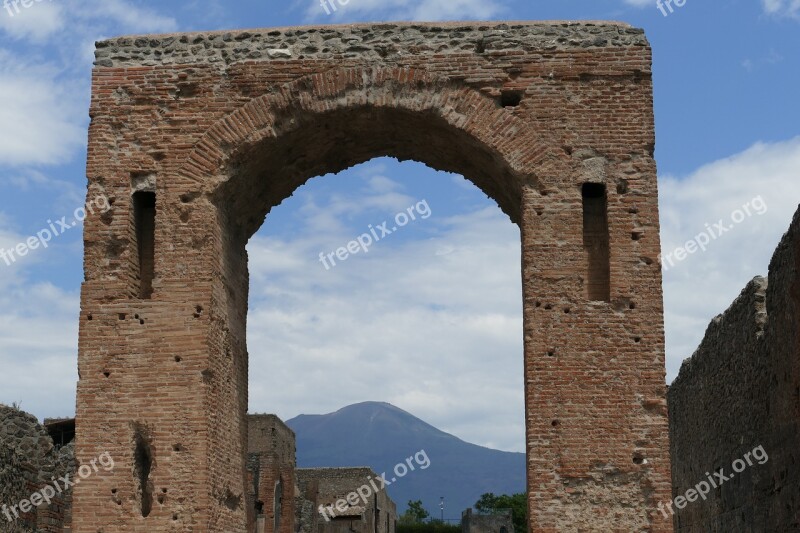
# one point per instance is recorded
(430, 318)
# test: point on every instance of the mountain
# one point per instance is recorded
(381, 436)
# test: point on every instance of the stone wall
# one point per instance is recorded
(738, 393)
(28, 462)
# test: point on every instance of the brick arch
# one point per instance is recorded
(508, 147)
(196, 135)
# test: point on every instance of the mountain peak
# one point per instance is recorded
(381, 435)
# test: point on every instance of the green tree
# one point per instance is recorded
(415, 513)
(518, 503)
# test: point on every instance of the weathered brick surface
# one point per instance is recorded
(270, 467)
(741, 390)
(331, 487)
(226, 126)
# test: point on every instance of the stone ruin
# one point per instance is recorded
(195, 137)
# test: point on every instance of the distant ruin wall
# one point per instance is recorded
(738, 393)
(28, 462)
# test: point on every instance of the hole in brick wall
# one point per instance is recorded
(596, 242)
(144, 214)
(548, 307)
(638, 459)
(632, 305)
(636, 235)
(555, 423)
(161, 498)
(121, 316)
(646, 260)
(136, 316)
(510, 98)
(568, 150)
(633, 210)
(176, 448)
(480, 46)
(143, 463)
(567, 310)
(622, 186)
(198, 311)
(141, 322)
(637, 340)
(89, 317)
(189, 197)
(539, 212)
(551, 353)
(175, 516)
(178, 359)
(538, 304)
(107, 374)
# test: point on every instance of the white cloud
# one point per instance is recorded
(35, 23)
(38, 337)
(706, 283)
(406, 9)
(787, 8)
(41, 116)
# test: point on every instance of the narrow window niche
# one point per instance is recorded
(596, 242)
(144, 215)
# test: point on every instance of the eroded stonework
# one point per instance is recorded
(740, 392)
(552, 120)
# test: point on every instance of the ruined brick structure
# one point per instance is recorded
(344, 511)
(498, 522)
(271, 480)
(195, 137)
(29, 460)
(741, 390)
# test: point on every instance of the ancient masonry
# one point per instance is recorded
(271, 474)
(29, 460)
(741, 391)
(195, 137)
(331, 488)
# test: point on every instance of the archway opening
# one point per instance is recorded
(426, 319)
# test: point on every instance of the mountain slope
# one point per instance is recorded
(380, 435)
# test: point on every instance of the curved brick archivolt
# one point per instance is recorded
(330, 121)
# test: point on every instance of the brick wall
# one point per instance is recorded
(224, 126)
(374, 512)
(271, 467)
(739, 391)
